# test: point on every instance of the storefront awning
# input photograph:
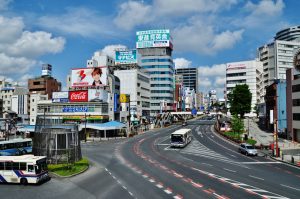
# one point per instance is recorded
(112, 125)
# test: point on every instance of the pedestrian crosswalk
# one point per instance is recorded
(197, 149)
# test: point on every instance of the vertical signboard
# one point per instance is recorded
(116, 102)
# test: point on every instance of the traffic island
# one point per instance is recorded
(69, 170)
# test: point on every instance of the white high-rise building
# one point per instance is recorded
(245, 72)
(136, 84)
(35, 98)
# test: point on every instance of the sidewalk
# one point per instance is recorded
(289, 151)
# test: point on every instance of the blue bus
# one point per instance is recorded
(16, 147)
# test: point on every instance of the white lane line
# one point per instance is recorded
(290, 187)
(124, 187)
(231, 155)
(130, 193)
(229, 170)
(119, 181)
(256, 177)
(159, 186)
(168, 191)
(162, 144)
(260, 162)
(114, 177)
(218, 196)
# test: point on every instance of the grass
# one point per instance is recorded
(233, 135)
(69, 169)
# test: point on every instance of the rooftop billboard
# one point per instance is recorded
(126, 57)
(97, 95)
(87, 77)
(153, 38)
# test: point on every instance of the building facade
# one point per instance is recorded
(136, 84)
(289, 34)
(20, 104)
(158, 63)
(189, 77)
(245, 72)
(35, 98)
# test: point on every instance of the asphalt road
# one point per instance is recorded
(146, 167)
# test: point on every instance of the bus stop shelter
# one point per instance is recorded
(112, 125)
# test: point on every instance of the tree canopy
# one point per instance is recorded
(240, 100)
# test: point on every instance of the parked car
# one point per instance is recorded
(247, 149)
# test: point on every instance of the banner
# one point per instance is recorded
(84, 77)
(97, 95)
(153, 38)
(126, 57)
(60, 97)
(78, 96)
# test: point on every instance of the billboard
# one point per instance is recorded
(153, 38)
(78, 96)
(88, 77)
(126, 57)
(97, 95)
(60, 97)
(236, 66)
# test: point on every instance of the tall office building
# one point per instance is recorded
(155, 47)
(245, 72)
(190, 77)
(277, 56)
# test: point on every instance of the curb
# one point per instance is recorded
(288, 163)
(52, 174)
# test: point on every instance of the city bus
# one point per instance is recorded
(16, 147)
(181, 138)
(23, 169)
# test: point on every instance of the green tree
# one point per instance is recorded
(240, 100)
(237, 126)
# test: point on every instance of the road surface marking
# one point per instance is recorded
(207, 164)
(260, 162)
(168, 191)
(159, 185)
(218, 196)
(130, 193)
(256, 177)
(290, 187)
(229, 170)
(178, 197)
(162, 144)
(124, 187)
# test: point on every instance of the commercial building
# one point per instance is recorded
(189, 77)
(155, 48)
(35, 98)
(44, 84)
(136, 84)
(20, 104)
(289, 34)
(245, 72)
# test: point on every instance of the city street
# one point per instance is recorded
(145, 166)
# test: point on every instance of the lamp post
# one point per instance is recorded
(85, 127)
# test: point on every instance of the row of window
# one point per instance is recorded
(296, 102)
(161, 79)
(161, 73)
(235, 74)
(162, 98)
(156, 60)
(143, 78)
(161, 85)
(158, 66)
(13, 166)
(161, 91)
(236, 81)
(296, 88)
(296, 116)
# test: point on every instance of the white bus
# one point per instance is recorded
(23, 169)
(181, 137)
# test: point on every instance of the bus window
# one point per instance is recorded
(176, 138)
(30, 168)
(8, 165)
(1, 165)
(15, 166)
(22, 166)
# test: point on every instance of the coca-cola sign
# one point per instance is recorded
(78, 96)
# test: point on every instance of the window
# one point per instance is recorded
(23, 166)
(1, 165)
(16, 165)
(8, 165)
(32, 100)
(30, 168)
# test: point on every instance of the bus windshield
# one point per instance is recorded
(176, 138)
(40, 167)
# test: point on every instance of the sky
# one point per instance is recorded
(207, 34)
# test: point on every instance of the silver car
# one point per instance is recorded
(247, 149)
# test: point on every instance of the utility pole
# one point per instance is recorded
(85, 120)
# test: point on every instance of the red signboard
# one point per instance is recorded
(78, 96)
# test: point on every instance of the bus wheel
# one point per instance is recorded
(23, 181)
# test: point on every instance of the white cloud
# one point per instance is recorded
(220, 81)
(10, 29)
(110, 49)
(78, 21)
(4, 4)
(192, 37)
(262, 13)
(19, 49)
(15, 65)
(34, 44)
(133, 13)
(215, 70)
(182, 63)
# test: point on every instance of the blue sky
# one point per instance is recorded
(206, 33)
